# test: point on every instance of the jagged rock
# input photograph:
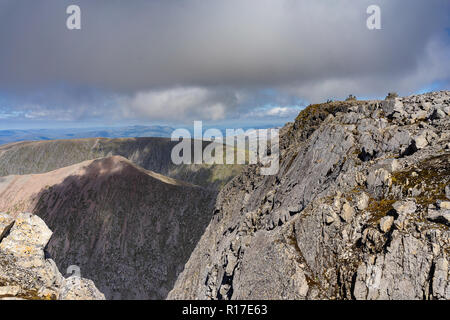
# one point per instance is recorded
(294, 209)
(386, 223)
(329, 215)
(76, 288)
(396, 140)
(440, 216)
(438, 114)
(327, 162)
(390, 165)
(441, 287)
(425, 105)
(27, 240)
(447, 110)
(26, 273)
(424, 138)
(405, 207)
(280, 276)
(420, 141)
(377, 180)
(444, 205)
(399, 274)
(9, 291)
(362, 201)
(394, 106)
(6, 222)
(347, 212)
(420, 115)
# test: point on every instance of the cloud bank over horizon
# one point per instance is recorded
(178, 61)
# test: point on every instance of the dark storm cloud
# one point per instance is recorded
(162, 59)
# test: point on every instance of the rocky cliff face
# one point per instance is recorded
(130, 230)
(360, 209)
(149, 153)
(26, 272)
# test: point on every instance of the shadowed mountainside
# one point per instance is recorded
(12, 135)
(150, 153)
(129, 230)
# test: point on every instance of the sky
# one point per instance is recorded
(234, 63)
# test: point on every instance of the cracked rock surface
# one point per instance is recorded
(26, 272)
(358, 210)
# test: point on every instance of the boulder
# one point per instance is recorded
(6, 223)
(439, 216)
(347, 212)
(26, 272)
(386, 223)
(405, 207)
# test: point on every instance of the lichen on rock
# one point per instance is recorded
(26, 272)
(370, 182)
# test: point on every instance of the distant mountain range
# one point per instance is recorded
(155, 131)
(154, 154)
(8, 136)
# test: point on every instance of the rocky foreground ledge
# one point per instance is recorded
(26, 272)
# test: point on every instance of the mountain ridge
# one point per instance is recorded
(358, 210)
(149, 153)
(130, 230)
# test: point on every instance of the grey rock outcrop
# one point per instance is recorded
(367, 180)
(26, 272)
(440, 212)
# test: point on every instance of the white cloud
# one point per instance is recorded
(282, 112)
(178, 104)
(214, 60)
